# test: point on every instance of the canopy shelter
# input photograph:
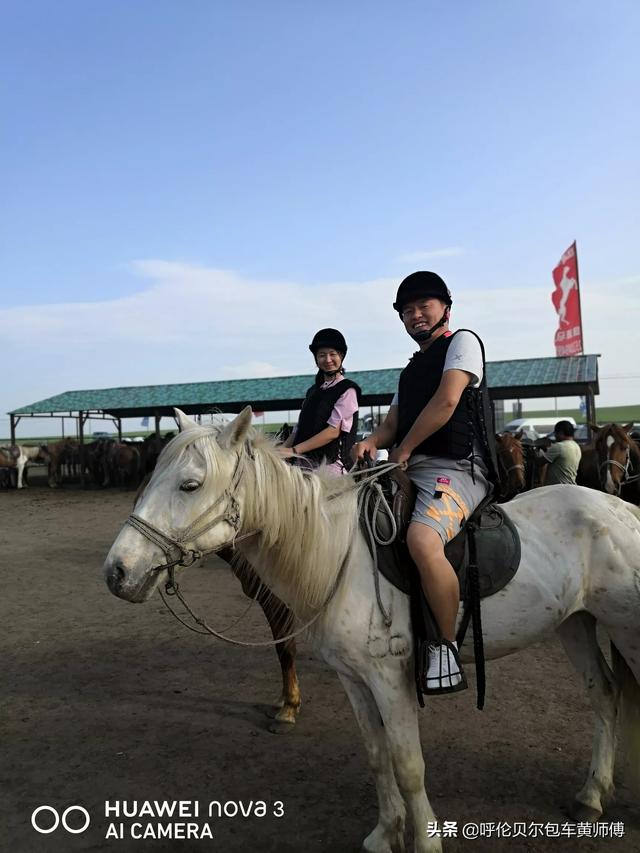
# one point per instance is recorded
(520, 378)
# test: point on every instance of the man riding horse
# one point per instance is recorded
(440, 426)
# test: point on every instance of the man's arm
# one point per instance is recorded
(435, 414)
(383, 436)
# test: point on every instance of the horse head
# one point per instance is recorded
(511, 464)
(192, 505)
(614, 450)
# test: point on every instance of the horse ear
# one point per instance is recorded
(183, 421)
(235, 432)
(519, 434)
(628, 427)
(594, 428)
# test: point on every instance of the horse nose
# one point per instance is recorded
(115, 573)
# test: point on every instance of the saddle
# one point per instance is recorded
(496, 541)
(485, 555)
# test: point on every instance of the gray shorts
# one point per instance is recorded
(446, 491)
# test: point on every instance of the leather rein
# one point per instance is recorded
(188, 556)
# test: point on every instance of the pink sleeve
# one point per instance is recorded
(345, 408)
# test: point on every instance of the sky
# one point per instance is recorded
(191, 189)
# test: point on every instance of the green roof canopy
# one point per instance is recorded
(521, 378)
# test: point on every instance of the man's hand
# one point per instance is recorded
(359, 449)
(400, 455)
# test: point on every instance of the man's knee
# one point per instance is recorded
(424, 543)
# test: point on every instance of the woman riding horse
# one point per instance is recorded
(329, 417)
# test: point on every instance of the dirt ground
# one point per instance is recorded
(109, 701)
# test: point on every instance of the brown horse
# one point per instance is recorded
(63, 452)
(607, 464)
(510, 465)
(281, 623)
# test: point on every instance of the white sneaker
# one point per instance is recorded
(444, 670)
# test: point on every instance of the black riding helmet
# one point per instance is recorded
(330, 339)
(421, 285)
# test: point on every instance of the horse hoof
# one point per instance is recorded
(281, 727)
(582, 813)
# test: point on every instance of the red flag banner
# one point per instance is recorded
(566, 301)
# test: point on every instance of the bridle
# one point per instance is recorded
(180, 542)
(188, 556)
(624, 468)
(507, 469)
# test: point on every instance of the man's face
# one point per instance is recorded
(420, 315)
(328, 360)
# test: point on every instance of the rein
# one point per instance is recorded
(370, 493)
(231, 514)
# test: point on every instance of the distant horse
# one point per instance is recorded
(63, 452)
(580, 566)
(610, 461)
(18, 456)
(511, 467)
(121, 465)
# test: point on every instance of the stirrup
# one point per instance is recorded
(439, 682)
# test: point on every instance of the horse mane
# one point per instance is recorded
(306, 521)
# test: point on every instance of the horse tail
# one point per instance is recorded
(629, 716)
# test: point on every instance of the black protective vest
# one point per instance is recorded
(314, 417)
(472, 419)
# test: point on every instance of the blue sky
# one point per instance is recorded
(305, 146)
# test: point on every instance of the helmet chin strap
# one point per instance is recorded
(425, 335)
(333, 373)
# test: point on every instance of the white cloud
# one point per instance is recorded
(190, 323)
(431, 254)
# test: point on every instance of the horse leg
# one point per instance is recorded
(388, 836)
(578, 636)
(280, 620)
(625, 656)
(393, 691)
(20, 468)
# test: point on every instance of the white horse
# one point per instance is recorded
(580, 565)
(18, 456)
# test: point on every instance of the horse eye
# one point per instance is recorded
(190, 486)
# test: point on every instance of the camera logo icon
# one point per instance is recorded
(46, 819)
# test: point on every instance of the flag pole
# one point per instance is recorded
(575, 252)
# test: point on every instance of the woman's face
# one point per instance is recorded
(328, 360)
